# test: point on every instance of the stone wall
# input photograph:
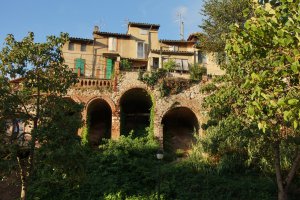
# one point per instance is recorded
(189, 98)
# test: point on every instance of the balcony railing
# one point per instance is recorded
(93, 82)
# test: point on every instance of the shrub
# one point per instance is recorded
(197, 71)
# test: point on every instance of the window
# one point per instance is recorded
(202, 58)
(173, 48)
(155, 63)
(79, 65)
(83, 47)
(140, 50)
(71, 46)
(143, 31)
(182, 65)
(112, 44)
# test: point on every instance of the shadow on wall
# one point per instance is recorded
(99, 121)
(180, 125)
(135, 105)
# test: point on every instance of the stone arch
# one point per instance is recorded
(179, 124)
(99, 113)
(135, 105)
(104, 98)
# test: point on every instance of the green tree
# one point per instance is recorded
(33, 80)
(265, 51)
(219, 15)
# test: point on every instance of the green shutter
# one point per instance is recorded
(79, 65)
(109, 68)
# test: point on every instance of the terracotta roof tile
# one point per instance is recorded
(143, 25)
(81, 40)
(112, 34)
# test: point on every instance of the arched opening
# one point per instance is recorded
(179, 126)
(99, 117)
(135, 106)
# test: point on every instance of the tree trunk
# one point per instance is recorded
(23, 180)
(282, 195)
(281, 190)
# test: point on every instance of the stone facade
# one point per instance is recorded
(189, 98)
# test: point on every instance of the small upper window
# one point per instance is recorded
(83, 47)
(173, 48)
(112, 44)
(71, 46)
(143, 31)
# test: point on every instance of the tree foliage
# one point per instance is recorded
(34, 80)
(219, 15)
(266, 52)
(261, 90)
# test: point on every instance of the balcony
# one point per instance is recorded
(85, 82)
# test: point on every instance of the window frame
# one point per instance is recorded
(83, 47)
(71, 46)
(112, 44)
(143, 49)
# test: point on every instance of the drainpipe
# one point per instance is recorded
(161, 61)
(149, 49)
(94, 59)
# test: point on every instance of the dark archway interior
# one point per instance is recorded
(135, 111)
(99, 119)
(179, 126)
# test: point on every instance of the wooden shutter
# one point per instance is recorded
(79, 65)
(109, 68)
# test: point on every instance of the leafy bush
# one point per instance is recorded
(170, 65)
(197, 71)
(128, 169)
(125, 64)
(208, 88)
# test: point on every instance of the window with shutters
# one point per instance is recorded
(79, 65)
(181, 65)
(140, 50)
(112, 44)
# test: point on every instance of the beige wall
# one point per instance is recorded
(127, 48)
(87, 55)
(212, 66)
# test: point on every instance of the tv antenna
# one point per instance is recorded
(125, 23)
(181, 25)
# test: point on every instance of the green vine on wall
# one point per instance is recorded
(151, 119)
(85, 132)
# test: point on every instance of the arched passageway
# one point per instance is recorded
(135, 106)
(99, 116)
(179, 126)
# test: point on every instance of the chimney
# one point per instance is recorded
(96, 28)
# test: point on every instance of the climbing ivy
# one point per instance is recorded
(151, 119)
(151, 79)
(85, 132)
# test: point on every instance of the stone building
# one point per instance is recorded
(115, 99)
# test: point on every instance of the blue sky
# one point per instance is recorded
(78, 17)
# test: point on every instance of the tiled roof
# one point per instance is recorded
(174, 41)
(136, 59)
(168, 52)
(81, 40)
(112, 34)
(143, 25)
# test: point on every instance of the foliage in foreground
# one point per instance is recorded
(128, 169)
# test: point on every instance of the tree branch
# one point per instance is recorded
(293, 170)
(278, 166)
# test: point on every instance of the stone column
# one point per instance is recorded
(115, 126)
